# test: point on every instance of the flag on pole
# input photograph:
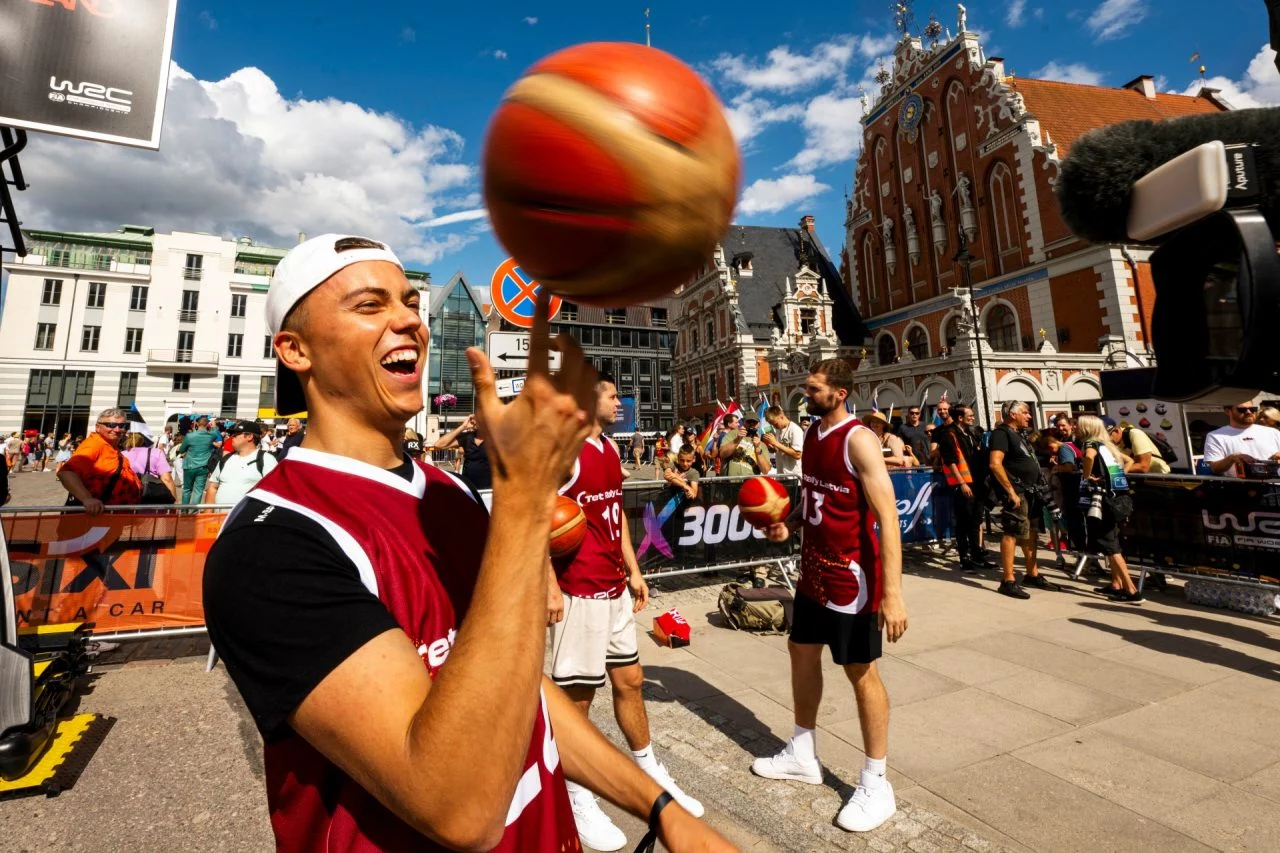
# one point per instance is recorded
(765, 429)
(137, 423)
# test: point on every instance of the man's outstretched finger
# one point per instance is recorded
(485, 384)
(540, 336)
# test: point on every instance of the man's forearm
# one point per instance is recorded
(1217, 466)
(1002, 477)
(592, 761)
(72, 483)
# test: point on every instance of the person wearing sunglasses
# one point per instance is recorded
(1242, 440)
(98, 473)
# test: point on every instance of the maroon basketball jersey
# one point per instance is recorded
(840, 555)
(419, 551)
(596, 570)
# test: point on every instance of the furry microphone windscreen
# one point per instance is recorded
(1095, 186)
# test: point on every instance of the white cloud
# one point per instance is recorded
(208, 20)
(784, 71)
(460, 216)
(238, 158)
(497, 53)
(1260, 86)
(1113, 17)
(832, 132)
(530, 20)
(1074, 72)
(1162, 83)
(771, 196)
(1038, 14)
(749, 115)
(1013, 17)
(873, 46)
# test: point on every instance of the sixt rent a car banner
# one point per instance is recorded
(92, 69)
(120, 570)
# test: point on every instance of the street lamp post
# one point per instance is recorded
(966, 260)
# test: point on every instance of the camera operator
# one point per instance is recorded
(1229, 449)
(1015, 468)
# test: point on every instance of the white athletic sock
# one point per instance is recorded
(875, 769)
(645, 758)
(803, 744)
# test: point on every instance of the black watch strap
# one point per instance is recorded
(651, 837)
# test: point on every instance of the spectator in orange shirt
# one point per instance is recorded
(98, 473)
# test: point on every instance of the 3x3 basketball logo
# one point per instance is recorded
(701, 525)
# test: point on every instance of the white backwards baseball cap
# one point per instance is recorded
(307, 266)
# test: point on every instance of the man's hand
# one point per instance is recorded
(893, 617)
(681, 831)
(777, 532)
(639, 592)
(555, 604)
(1014, 501)
(965, 490)
(92, 506)
(469, 424)
(533, 441)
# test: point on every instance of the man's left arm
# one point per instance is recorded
(864, 452)
(639, 589)
(592, 761)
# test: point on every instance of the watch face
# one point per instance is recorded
(911, 111)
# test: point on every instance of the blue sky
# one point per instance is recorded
(289, 116)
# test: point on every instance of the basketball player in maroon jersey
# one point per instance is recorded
(594, 631)
(386, 636)
(850, 589)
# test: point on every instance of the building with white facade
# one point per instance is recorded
(172, 323)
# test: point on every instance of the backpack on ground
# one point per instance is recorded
(767, 610)
(1167, 453)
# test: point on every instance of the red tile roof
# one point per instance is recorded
(1068, 110)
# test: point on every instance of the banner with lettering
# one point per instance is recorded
(121, 571)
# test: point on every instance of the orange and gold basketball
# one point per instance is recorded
(610, 172)
(763, 501)
(568, 527)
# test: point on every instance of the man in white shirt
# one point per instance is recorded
(787, 440)
(1242, 440)
(242, 468)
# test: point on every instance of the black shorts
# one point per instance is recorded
(1102, 535)
(852, 637)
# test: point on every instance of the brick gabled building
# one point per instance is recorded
(956, 148)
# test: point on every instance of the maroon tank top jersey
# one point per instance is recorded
(417, 546)
(840, 554)
(596, 571)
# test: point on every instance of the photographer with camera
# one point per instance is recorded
(741, 449)
(1017, 471)
(1104, 494)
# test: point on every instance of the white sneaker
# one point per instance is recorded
(594, 827)
(868, 807)
(688, 803)
(787, 765)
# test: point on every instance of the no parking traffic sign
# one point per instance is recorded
(515, 294)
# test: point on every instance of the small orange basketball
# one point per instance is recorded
(763, 501)
(610, 172)
(568, 527)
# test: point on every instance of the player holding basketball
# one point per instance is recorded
(592, 615)
(392, 660)
(850, 588)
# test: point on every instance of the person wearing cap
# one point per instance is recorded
(741, 449)
(198, 448)
(386, 634)
(1135, 442)
(894, 449)
(241, 469)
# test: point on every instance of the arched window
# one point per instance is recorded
(869, 268)
(886, 350)
(918, 342)
(711, 333)
(1004, 215)
(951, 332)
(1002, 329)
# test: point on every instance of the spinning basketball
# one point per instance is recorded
(568, 527)
(610, 172)
(763, 501)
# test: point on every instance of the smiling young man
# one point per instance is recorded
(850, 590)
(385, 634)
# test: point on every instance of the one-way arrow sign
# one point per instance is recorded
(510, 351)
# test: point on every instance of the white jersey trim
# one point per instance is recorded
(848, 463)
(344, 540)
(577, 469)
(460, 483)
(346, 465)
(823, 433)
(860, 600)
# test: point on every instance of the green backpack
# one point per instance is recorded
(767, 610)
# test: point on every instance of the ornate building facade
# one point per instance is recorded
(767, 303)
(953, 214)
